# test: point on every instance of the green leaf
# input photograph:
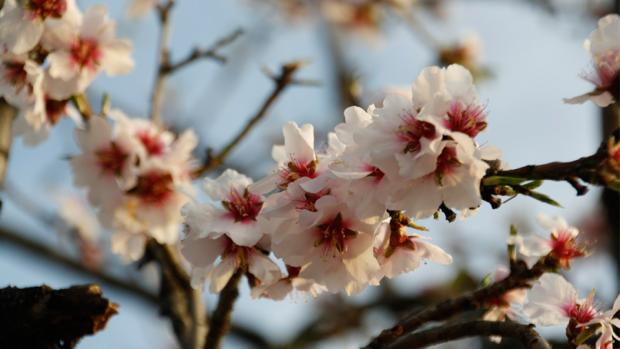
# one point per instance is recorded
(542, 197)
(533, 184)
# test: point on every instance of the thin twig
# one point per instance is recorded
(282, 81)
(523, 333)
(164, 59)
(520, 277)
(198, 53)
(221, 317)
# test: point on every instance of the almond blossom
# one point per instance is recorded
(604, 47)
(561, 245)
(229, 232)
(295, 159)
(333, 246)
(81, 48)
(554, 301)
(22, 23)
(398, 252)
(138, 175)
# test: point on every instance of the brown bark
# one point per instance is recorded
(43, 318)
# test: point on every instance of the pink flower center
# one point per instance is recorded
(15, 74)
(564, 248)
(152, 143)
(154, 187)
(55, 109)
(295, 170)
(309, 201)
(581, 313)
(468, 119)
(375, 173)
(447, 162)
(412, 131)
(85, 52)
(43, 9)
(334, 234)
(243, 208)
(111, 160)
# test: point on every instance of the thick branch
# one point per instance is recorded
(282, 81)
(221, 317)
(523, 333)
(177, 299)
(198, 53)
(40, 317)
(521, 276)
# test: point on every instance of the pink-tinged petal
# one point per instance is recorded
(433, 252)
(244, 234)
(96, 23)
(420, 199)
(116, 58)
(299, 142)
(129, 246)
(263, 268)
(600, 98)
(18, 34)
(61, 65)
(427, 84)
(222, 273)
(202, 252)
(139, 8)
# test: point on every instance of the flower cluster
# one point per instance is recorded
(604, 47)
(50, 51)
(554, 301)
(138, 176)
(338, 218)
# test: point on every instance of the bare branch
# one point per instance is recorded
(164, 59)
(177, 298)
(282, 81)
(520, 277)
(221, 317)
(523, 333)
(198, 53)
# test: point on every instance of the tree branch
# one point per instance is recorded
(178, 300)
(221, 317)
(520, 277)
(282, 81)
(40, 317)
(198, 53)
(164, 59)
(507, 329)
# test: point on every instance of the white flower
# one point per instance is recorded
(454, 181)
(20, 79)
(216, 259)
(333, 246)
(22, 23)
(292, 282)
(607, 322)
(80, 50)
(604, 46)
(561, 243)
(553, 301)
(398, 253)
(106, 165)
(295, 159)
(237, 216)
